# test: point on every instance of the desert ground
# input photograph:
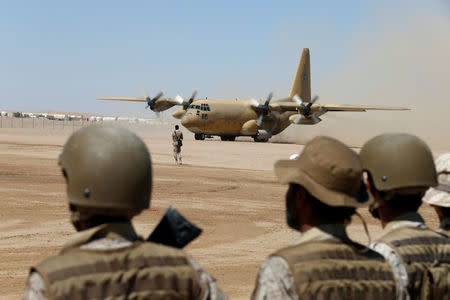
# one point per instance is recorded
(226, 188)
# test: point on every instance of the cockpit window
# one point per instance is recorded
(203, 107)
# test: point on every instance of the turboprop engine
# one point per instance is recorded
(250, 128)
(306, 115)
(178, 114)
(301, 119)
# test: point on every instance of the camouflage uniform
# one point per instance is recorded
(177, 135)
(36, 288)
(400, 169)
(275, 279)
(412, 220)
(324, 263)
(439, 196)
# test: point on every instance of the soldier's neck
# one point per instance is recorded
(311, 223)
(388, 214)
(305, 227)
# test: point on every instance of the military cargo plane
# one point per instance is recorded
(260, 120)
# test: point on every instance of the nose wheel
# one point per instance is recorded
(199, 136)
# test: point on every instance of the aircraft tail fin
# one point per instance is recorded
(302, 81)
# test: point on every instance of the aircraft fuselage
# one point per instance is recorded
(227, 118)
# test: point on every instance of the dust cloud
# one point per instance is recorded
(399, 58)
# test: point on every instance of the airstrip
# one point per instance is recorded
(226, 188)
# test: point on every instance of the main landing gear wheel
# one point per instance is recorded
(199, 136)
(259, 140)
(227, 138)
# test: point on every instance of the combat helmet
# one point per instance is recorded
(107, 168)
(399, 163)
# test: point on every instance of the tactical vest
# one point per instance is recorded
(445, 231)
(339, 270)
(141, 271)
(426, 256)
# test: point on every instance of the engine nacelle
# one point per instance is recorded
(301, 119)
(178, 114)
(250, 128)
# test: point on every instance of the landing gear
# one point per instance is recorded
(199, 136)
(260, 140)
(227, 138)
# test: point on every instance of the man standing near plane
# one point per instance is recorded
(177, 142)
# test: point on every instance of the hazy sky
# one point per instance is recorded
(60, 55)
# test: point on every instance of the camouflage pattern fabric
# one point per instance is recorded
(36, 290)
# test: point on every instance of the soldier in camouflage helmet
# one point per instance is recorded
(325, 188)
(400, 169)
(109, 180)
(439, 196)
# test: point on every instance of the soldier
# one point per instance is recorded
(109, 180)
(177, 142)
(325, 187)
(439, 196)
(400, 169)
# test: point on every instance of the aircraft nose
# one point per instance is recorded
(187, 120)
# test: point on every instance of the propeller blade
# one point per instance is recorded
(313, 101)
(315, 118)
(268, 100)
(254, 103)
(297, 119)
(157, 96)
(179, 99)
(259, 120)
(144, 92)
(194, 94)
(297, 99)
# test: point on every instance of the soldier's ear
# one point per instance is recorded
(371, 187)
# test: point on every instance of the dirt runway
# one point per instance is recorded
(226, 188)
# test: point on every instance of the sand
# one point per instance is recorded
(226, 188)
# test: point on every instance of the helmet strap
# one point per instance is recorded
(366, 230)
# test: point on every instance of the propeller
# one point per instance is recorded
(306, 109)
(305, 115)
(263, 108)
(185, 104)
(151, 101)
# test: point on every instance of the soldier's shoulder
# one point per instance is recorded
(160, 250)
(323, 249)
(51, 263)
(412, 235)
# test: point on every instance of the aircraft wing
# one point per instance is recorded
(171, 101)
(136, 99)
(293, 106)
(286, 106)
(346, 107)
